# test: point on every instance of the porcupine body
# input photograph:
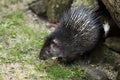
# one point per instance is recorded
(78, 32)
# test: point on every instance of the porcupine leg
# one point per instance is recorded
(66, 61)
(63, 61)
(86, 58)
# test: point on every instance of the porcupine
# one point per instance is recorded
(79, 31)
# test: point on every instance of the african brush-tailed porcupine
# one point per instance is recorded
(79, 31)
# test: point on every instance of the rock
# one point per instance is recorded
(102, 54)
(39, 7)
(117, 68)
(113, 6)
(118, 76)
(113, 43)
(105, 60)
(95, 74)
(56, 9)
(89, 3)
(51, 9)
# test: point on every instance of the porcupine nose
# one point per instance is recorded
(42, 56)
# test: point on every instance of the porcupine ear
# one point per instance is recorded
(54, 43)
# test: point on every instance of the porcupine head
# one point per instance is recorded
(78, 32)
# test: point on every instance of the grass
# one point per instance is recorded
(65, 73)
(18, 39)
(21, 44)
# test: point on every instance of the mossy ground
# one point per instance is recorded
(21, 37)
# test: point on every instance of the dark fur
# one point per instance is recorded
(79, 31)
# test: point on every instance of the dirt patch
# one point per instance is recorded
(18, 71)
